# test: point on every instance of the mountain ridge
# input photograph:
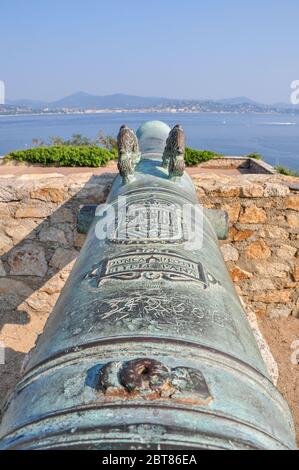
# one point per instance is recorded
(84, 100)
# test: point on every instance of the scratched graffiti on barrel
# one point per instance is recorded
(155, 309)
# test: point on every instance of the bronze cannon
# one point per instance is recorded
(148, 346)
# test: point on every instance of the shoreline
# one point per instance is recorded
(274, 136)
(127, 111)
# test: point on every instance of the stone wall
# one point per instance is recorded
(251, 165)
(39, 243)
(38, 246)
(262, 249)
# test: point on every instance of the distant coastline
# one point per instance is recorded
(84, 103)
(275, 137)
(73, 112)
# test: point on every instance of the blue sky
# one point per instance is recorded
(183, 49)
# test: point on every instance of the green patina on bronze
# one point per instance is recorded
(148, 346)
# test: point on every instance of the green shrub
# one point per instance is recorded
(254, 155)
(286, 171)
(193, 157)
(64, 155)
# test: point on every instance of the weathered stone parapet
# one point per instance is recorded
(38, 246)
(251, 165)
(262, 250)
(39, 242)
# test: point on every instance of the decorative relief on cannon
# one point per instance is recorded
(149, 379)
(153, 264)
(128, 153)
(150, 220)
(174, 152)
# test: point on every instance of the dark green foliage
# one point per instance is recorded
(64, 155)
(286, 171)
(82, 151)
(193, 157)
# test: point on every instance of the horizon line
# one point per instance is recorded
(147, 96)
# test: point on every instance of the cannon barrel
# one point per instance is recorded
(148, 346)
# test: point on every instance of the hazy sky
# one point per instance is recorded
(180, 49)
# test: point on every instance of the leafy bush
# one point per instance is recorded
(254, 155)
(286, 171)
(64, 155)
(193, 157)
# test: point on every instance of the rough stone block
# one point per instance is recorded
(273, 296)
(286, 251)
(28, 260)
(238, 274)
(253, 215)
(53, 194)
(61, 215)
(42, 301)
(52, 234)
(34, 210)
(272, 231)
(281, 311)
(18, 230)
(252, 190)
(2, 270)
(275, 190)
(233, 211)
(260, 284)
(229, 253)
(293, 219)
(224, 191)
(12, 286)
(8, 193)
(241, 235)
(258, 250)
(62, 257)
(5, 243)
(292, 202)
(295, 272)
(272, 268)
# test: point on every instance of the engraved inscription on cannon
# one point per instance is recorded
(150, 264)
